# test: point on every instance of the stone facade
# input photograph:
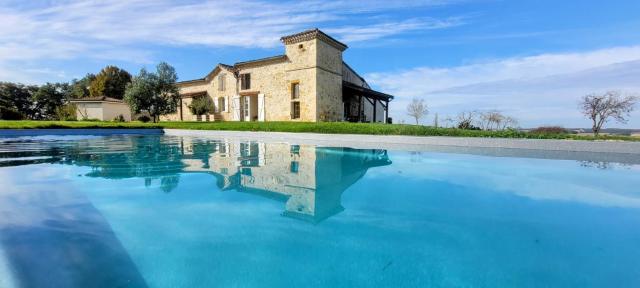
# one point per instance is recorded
(310, 180)
(312, 61)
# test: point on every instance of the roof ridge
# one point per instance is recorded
(313, 34)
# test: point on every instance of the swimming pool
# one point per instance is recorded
(169, 211)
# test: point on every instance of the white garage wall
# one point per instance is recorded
(113, 110)
(90, 110)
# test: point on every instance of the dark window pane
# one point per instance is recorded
(294, 166)
(245, 81)
(295, 149)
(295, 110)
(295, 91)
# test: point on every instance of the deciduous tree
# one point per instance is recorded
(16, 100)
(417, 109)
(600, 108)
(111, 82)
(47, 99)
(80, 88)
(155, 93)
(466, 119)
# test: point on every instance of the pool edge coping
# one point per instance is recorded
(396, 142)
(79, 131)
(416, 142)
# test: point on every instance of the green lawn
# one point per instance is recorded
(323, 127)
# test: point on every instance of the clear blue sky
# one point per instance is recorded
(529, 59)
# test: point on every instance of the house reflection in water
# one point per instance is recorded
(310, 180)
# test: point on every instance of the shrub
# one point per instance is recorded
(467, 125)
(66, 112)
(119, 118)
(144, 118)
(549, 130)
(201, 105)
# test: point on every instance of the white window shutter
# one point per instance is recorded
(236, 108)
(225, 107)
(260, 107)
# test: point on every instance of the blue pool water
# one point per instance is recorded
(162, 211)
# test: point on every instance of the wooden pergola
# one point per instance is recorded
(352, 91)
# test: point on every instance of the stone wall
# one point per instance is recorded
(329, 92)
(269, 79)
(301, 69)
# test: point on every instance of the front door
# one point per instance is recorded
(246, 108)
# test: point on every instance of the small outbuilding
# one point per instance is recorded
(101, 108)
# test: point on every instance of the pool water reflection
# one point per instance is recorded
(160, 211)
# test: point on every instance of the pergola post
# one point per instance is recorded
(386, 112)
(360, 108)
(375, 101)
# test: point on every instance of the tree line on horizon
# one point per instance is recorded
(598, 108)
(155, 93)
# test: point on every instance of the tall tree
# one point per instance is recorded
(15, 100)
(155, 93)
(417, 109)
(47, 98)
(111, 82)
(80, 88)
(602, 107)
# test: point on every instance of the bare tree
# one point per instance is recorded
(417, 109)
(466, 119)
(599, 108)
(509, 122)
(487, 120)
(495, 120)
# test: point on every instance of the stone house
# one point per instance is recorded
(310, 82)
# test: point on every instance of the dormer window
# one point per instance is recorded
(245, 81)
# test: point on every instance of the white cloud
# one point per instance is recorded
(539, 90)
(354, 33)
(55, 30)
